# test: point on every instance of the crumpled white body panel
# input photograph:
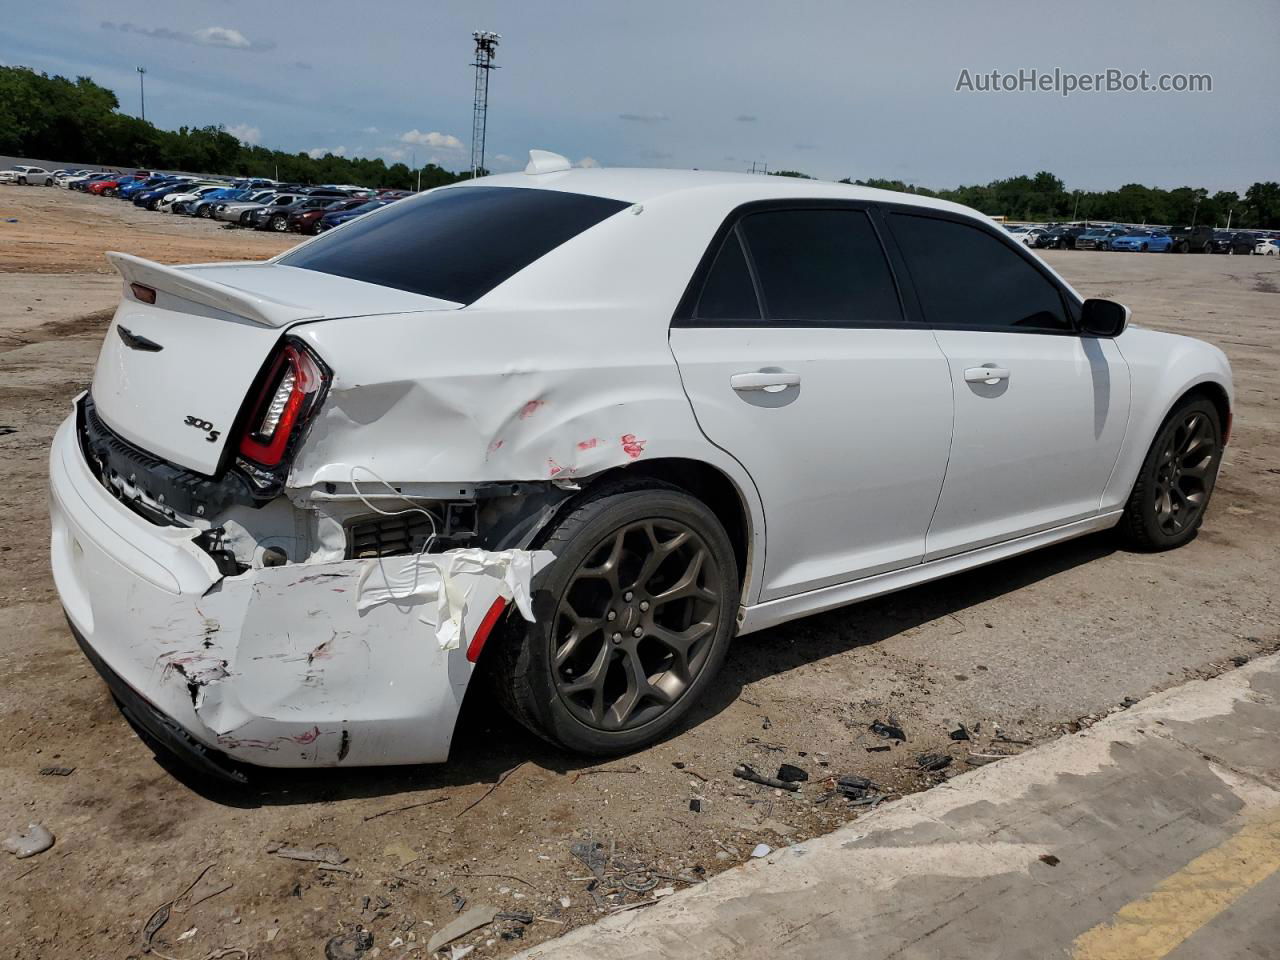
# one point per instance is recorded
(302, 665)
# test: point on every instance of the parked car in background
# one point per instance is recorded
(109, 185)
(603, 524)
(1142, 241)
(27, 176)
(1192, 239)
(240, 213)
(276, 218)
(305, 221)
(1060, 238)
(1098, 238)
(1023, 234)
(150, 199)
(203, 207)
(1231, 242)
(232, 207)
(1267, 247)
(336, 218)
(173, 202)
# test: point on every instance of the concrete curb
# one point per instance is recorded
(1171, 776)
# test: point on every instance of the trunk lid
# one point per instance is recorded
(172, 376)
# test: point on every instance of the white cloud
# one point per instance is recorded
(644, 117)
(441, 141)
(588, 162)
(206, 36)
(315, 153)
(245, 133)
(369, 130)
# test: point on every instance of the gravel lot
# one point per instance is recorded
(1037, 645)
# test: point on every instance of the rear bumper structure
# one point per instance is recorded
(354, 662)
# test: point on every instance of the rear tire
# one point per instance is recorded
(1176, 481)
(633, 621)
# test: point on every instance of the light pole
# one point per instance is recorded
(1077, 207)
(142, 91)
(1195, 210)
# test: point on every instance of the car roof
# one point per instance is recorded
(642, 184)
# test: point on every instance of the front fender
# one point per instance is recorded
(1163, 367)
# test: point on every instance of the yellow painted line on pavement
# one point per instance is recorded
(1154, 927)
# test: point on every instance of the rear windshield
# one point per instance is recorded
(455, 244)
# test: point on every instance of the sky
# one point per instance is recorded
(848, 89)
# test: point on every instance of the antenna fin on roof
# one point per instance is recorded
(544, 161)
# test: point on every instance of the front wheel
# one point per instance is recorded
(279, 224)
(633, 620)
(1175, 483)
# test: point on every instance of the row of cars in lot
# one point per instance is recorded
(1145, 239)
(245, 202)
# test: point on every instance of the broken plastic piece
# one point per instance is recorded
(348, 946)
(889, 730)
(744, 772)
(933, 761)
(761, 850)
(27, 843)
(792, 774)
(446, 583)
(473, 919)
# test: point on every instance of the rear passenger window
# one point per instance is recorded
(821, 266)
(728, 293)
(967, 278)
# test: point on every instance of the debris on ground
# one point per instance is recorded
(855, 787)
(879, 748)
(592, 855)
(349, 946)
(321, 854)
(761, 850)
(958, 731)
(744, 771)
(788, 773)
(473, 919)
(1050, 859)
(27, 843)
(888, 729)
(695, 805)
(980, 759)
(1128, 702)
(932, 762)
(1240, 660)
(57, 771)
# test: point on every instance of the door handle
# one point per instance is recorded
(771, 381)
(986, 374)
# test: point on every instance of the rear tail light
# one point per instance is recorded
(290, 392)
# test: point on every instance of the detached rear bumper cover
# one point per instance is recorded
(356, 662)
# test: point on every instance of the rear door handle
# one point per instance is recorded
(986, 374)
(771, 381)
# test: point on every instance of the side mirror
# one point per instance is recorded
(1104, 318)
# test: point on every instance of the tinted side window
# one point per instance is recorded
(967, 278)
(823, 266)
(456, 243)
(728, 293)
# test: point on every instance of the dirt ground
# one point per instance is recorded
(1034, 647)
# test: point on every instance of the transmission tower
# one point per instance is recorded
(486, 49)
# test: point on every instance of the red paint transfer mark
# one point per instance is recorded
(308, 737)
(530, 408)
(631, 446)
(588, 444)
(495, 446)
(553, 468)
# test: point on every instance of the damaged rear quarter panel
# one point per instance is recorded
(564, 371)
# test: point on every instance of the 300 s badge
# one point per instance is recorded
(210, 434)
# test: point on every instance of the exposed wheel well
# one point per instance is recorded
(1218, 397)
(708, 484)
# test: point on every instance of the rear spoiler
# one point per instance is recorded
(189, 286)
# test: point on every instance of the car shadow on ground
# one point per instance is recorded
(488, 744)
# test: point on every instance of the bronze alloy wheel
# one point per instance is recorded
(635, 625)
(1183, 471)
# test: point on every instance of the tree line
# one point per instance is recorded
(1044, 197)
(54, 117)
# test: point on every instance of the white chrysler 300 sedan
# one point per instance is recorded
(574, 429)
